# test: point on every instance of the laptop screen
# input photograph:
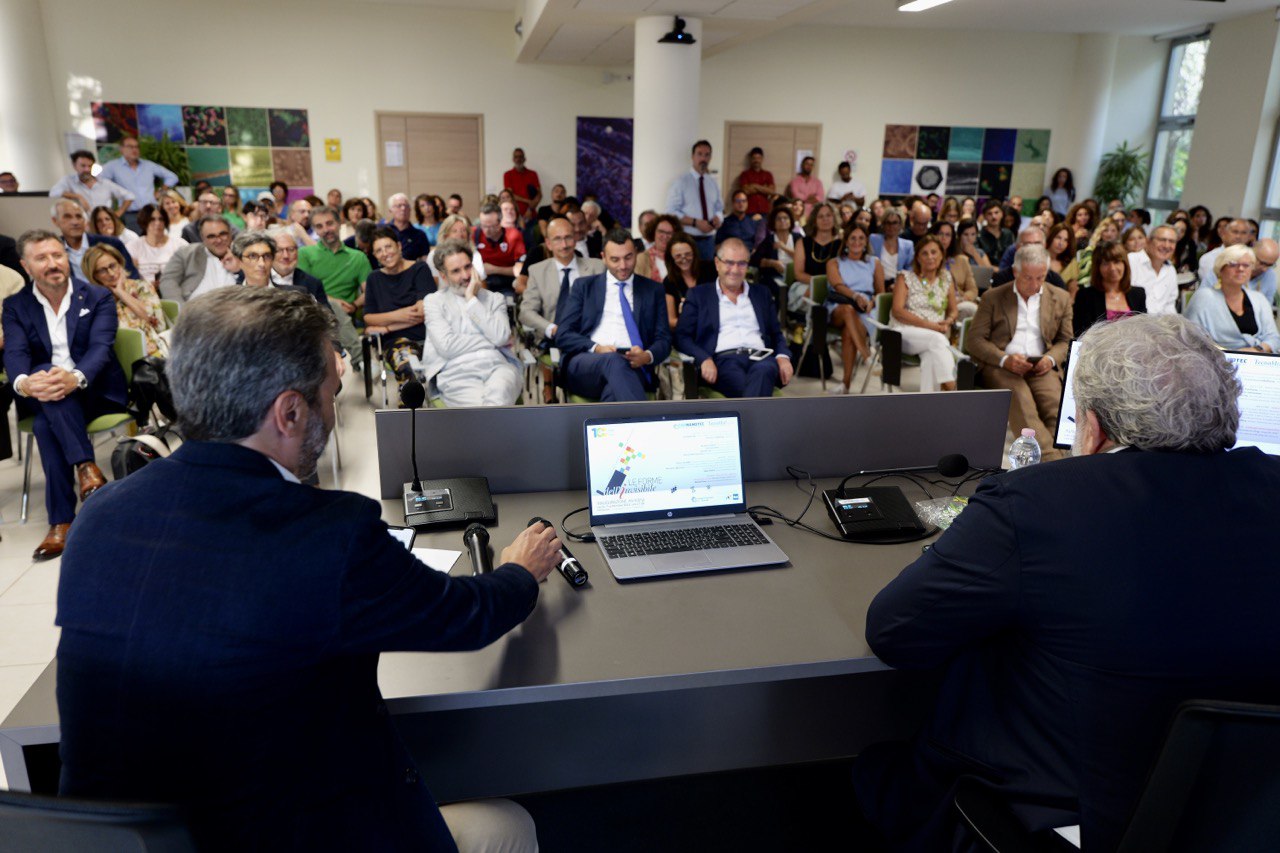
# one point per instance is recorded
(668, 466)
(1259, 375)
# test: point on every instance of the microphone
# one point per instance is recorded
(953, 465)
(570, 569)
(476, 540)
(412, 394)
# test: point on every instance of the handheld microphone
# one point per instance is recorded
(570, 569)
(476, 540)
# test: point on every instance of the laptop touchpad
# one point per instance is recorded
(677, 562)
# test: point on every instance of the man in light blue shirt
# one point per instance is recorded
(89, 191)
(138, 176)
(695, 199)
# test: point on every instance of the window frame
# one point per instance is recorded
(1170, 123)
(1271, 205)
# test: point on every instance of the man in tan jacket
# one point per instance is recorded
(1019, 339)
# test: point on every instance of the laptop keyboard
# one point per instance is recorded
(688, 539)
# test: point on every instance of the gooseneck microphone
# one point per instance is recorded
(412, 394)
(953, 465)
(476, 540)
(570, 569)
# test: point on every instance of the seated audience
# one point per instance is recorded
(105, 222)
(1065, 646)
(231, 207)
(1083, 220)
(1236, 317)
(557, 206)
(353, 210)
(724, 322)
(453, 205)
(334, 199)
(1031, 236)
(456, 226)
(67, 385)
(1107, 231)
(821, 243)
(958, 265)
(280, 196)
(469, 355)
(72, 224)
(137, 303)
(158, 243)
(684, 272)
(614, 330)
(1019, 340)
(967, 237)
(652, 262)
(342, 270)
(775, 250)
(8, 182)
(919, 222)
(551, 280)
(994, 237)
(924, 309)
(428, 216)
(1230, 232)
(855, 275)
(300, 213)
(588, 228)
(894, 253)
(1186, 257)
(413, 241)
(1152, 270)
(200, 267)
(284, 270)
(208, 204)
(1061, 245)
(738, 223)
(393, 304)
(501, 249)
(1110, 294)
(176, 209)
(88, 191)
(1134, 239)
(1265, 252)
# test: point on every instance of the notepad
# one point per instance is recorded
(440, 559)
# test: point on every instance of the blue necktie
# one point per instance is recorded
(629, 319)
(564, 293)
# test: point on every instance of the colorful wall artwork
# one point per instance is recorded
(605, 164)
(964, 161)
(245, 147)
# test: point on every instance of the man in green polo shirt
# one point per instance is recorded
(343, 271)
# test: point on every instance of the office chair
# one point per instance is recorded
(64, 825)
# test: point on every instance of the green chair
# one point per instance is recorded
(816, 323)
(129, 347)
(893, 359)
(171, 308)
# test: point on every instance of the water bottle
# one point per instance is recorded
(1025, 450)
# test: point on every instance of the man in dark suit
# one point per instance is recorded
(9, 255)
(59, 339)
(614, 330)
(70, 220)
(723, 322)
(225, 657)
(1073, 605)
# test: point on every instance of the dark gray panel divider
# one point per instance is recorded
(539, 448)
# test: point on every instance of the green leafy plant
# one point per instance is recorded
(1122, 174)
(169, 154)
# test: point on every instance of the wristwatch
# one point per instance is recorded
(81, 382)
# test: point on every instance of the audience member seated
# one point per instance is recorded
(137, 303)
(256, 216)
(280, 196)
(967, 235)
(1236, 317)
(894, 253)
(1083, 221)
(231, 207)
(353, 210)
(284, 271)
(1061, 245)
(393, 304)
(652, 262)
(88, 191)
(105, 222)
(255, 252)
(1134, 239)
(994, 238)
(1152, 270)
(806, 187)
(208, 203)
(8, 182)
(200, 267)
(738, 223)
(958, 265)
(159, 242)
(775, 250)
(556, 207)
(1234, 232)
(1186, 257)
(342, 270)
(1019, 340)
(59, 336)
(1266, 252)
(1030, 236)
(684, 272)
(924, 309)
(1107, 231)
(413, 241)
(300, 223)
(1111, 293)
(919, 222)
(614, 330)
(846, 188)
(1058, 686)
(456, 226)
(695, 200)
(428, 216)
(550, 281)
(71, 222)
(468, 352)
(821, 243)
(501, 249)
(854, 279)
(724, 321)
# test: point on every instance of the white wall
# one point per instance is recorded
(1136, 87)
(380, 57)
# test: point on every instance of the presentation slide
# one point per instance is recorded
(1259, 402)
(1067, 411)
(658, 466)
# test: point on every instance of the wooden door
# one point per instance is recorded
(781, 143)
(433, 153)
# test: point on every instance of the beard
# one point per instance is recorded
(313, 444)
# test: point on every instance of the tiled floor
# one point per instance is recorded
(28, 637)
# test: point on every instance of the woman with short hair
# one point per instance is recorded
(158, 242)
(1236, 317)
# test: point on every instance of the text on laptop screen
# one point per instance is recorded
(1259, 375)
(664, 466)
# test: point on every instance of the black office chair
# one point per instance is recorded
(1215, 786)
(64, 825)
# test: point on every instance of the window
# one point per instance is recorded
(1177, 121)
(1270, 225)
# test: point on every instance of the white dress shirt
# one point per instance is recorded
(215, 276)
(612, 329)
(103, 193)
(1026, 339)
(1161, 287)
(739, 326)
(841, 188)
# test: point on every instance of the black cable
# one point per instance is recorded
(575, 537)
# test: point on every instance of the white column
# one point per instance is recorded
(668, 78)
(29, 143)
(1087, 108)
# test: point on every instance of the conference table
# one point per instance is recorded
(616, 682)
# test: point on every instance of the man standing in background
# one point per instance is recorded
(523, 183)
(138, 176)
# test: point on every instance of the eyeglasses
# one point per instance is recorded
(109, 266)
(258, 257)
(221, 235)
(1238, 265)
(733, 264)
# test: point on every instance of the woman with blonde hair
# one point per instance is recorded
(137, 303)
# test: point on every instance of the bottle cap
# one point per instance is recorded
(1028, 432)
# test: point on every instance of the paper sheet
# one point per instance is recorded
(440, 559)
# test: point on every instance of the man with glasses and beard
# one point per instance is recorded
(225, 659)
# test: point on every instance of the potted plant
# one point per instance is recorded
(1122, 174)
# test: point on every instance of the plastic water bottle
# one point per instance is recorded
(1025, 450)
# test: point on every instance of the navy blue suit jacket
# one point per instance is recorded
(586, 306)
(220, 637)
(1072, 606)
(313, 286)
(91, 334)
(699, 323)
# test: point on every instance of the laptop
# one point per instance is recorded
(666, 496)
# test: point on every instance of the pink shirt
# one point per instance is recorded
(802, 187)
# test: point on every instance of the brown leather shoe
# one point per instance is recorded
(90, 477)
(54, 541)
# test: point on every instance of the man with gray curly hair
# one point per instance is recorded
(1074, 606)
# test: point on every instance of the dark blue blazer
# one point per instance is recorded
(220, 637)
(313, 286)
(91, 333)
(1072, 606)
(699, 323)
(118, 244)
(586, 306)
